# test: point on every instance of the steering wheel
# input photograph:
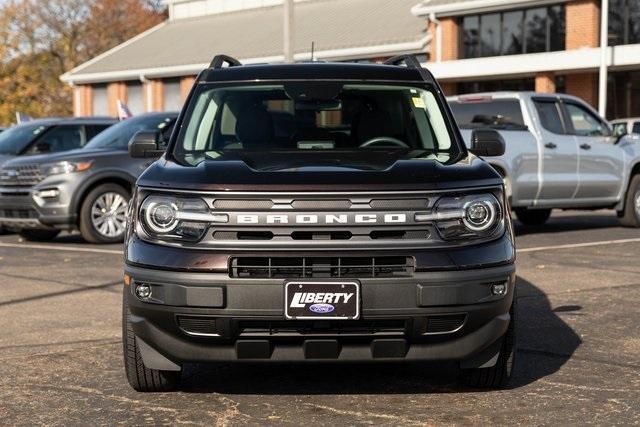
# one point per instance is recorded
(381, 139)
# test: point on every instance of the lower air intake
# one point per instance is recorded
(312, 267)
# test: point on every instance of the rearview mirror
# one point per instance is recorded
(487, 143)
(145, 144)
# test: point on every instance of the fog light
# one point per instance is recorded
(48, 194)
(499, 289)
(143, 291)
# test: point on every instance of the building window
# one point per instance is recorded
(135, 97)
(100, 101)
(624, 22)
(517, 85)
(534, 30)
(623, 94)
(172, 95)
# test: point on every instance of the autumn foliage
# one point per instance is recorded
(42, 39)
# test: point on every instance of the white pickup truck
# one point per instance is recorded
(559, 154)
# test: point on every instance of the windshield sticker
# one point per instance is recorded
(419, 103)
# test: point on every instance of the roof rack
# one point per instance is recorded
(409, 60)
(220, 60)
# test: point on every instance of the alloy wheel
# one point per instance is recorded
(109, 214)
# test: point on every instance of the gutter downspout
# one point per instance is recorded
(438, 24)
(604, 47)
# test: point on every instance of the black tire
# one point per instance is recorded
(140, 377)
(499, 375)
(532, 217)
(87, 229)
(630, 216)
(38, 235)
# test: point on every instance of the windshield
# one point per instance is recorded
(487, 112)
(312, 124)
(17, 138)
(119, 135)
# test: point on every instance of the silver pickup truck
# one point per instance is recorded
(559, 154)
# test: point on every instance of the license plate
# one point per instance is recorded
(322, 300)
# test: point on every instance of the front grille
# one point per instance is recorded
(258, 328)
(445, 323)
(318, 267)
(197, 325)
(20, 176)
(18, 214)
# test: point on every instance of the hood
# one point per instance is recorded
(403, 175)
(72, 155)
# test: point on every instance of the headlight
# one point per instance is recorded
(176, 218)
(60, 168)
(473, 216)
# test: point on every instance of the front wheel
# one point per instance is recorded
(139, 376)
(38, 235)
(533, 216)
(103, 214)
(499, 375)
(630, 216)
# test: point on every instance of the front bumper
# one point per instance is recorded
(246, 319)
(22, 208)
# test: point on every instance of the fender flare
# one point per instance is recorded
(633, 171)
(81, 192)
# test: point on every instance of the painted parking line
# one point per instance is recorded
(61, 248)
(578, 245)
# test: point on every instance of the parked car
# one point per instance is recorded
(626, 126)
(53, 135)
(86, 189)
(559, 154)
(318, 212)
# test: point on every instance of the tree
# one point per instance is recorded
(42, 39)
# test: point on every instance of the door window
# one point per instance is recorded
(636, 128)
(550, 116)
(584, 122)
(93, 130)
(60, 138)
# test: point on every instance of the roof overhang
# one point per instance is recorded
(429, 8)
(75, 76)
(561, 62)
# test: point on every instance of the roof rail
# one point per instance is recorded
(412, 62)
(220, 60)
(409, 60)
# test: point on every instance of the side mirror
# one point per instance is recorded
(145, 144)
(487, 143)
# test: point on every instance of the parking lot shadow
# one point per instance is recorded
(545, 342)
(565, 223)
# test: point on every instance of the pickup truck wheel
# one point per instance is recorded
(103, 214)
(630, 216)
(499, 375)
(38, 235)
(533, 216)
(140, 377)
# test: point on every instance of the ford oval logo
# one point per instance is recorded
(322, 308)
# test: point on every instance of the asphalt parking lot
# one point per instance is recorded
(578, 359)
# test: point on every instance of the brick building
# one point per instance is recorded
(470, 46)
(541, 45)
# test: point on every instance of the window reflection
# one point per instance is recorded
(624, 22)
(533, 30)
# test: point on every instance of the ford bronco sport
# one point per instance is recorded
(318, 212)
